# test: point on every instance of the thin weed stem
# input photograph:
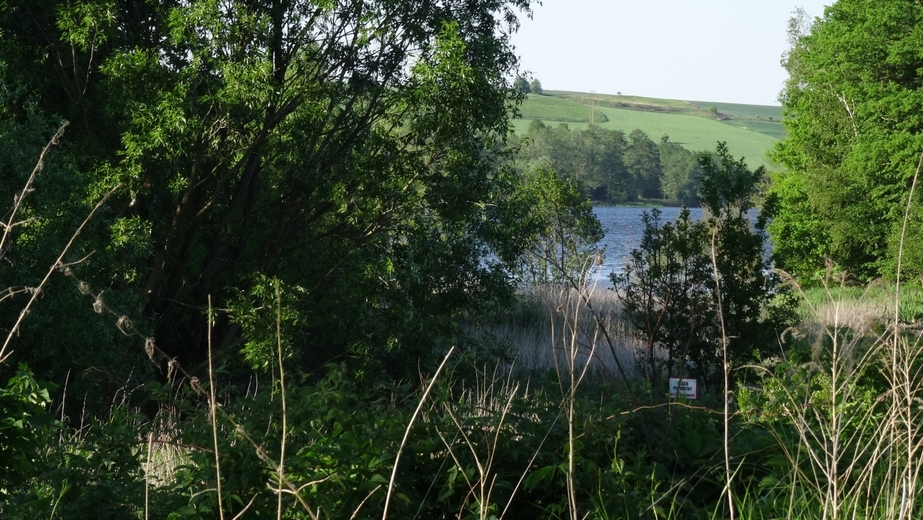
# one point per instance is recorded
(725, 369)
(147, 476)
(413, 418)
(213, 405)
(27, 189)
(907, 484)
(282, 390)
(4, 355)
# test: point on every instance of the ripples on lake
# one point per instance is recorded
(624, 229)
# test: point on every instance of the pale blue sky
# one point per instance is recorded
(697, 50)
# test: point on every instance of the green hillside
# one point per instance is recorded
(735, 110)
(548, 108)
(749, 130)
(619, 101)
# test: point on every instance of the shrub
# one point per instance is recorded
(691, 286)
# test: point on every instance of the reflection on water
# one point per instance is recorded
(624, 230)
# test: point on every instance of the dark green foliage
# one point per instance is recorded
(681, 173)
(64, 336)
(49, 469)
(354, 150)
(592, 157)
(343, 438)
(612, 167)
(755, 306)
(332, 179)
(667, 296)
(24, 427)
(642, 160)
(342, 441)
(851, 108)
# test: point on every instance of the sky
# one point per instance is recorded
(694, 50)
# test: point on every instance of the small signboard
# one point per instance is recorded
(682, 387)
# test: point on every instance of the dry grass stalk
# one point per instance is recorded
(58, 264)
(856, 454)
(413, 418)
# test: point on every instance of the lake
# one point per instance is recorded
(624, 230)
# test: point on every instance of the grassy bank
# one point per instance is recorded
(863, 307)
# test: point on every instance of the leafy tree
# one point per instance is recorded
(521, 84)
(692, 285)
(535, 86)
(353, 150)
(851, 108)
(594, 157)
(681, 173)
(642, 160)
(562, 231)
(608, 178)
(667, 298)
(747, 282)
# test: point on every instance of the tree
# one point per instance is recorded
(852, 113)
(522, 85)
(681, 173)
(747, 284)
(642, 159)
(353, 150)
(562, 232)
(667, 299)
(593, 157)
(535, 86)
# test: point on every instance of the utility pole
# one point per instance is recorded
(592, 104)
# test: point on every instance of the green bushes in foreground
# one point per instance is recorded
(829, 430)
(478, 449)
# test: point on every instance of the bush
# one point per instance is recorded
(49, 470)
(693, 287)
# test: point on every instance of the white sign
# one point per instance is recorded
(683, 387)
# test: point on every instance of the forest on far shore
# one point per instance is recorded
(613, 167)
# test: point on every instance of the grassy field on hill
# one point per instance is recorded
(763, 127)
(749, 130)
(736, 110)
(549, 108)
(622, 101)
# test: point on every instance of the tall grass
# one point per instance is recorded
(533, 332)
(862, 307)
(847, 416)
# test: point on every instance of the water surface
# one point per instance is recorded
(624, 230)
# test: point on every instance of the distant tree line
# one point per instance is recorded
(613, 167)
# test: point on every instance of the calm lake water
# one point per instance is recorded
(623, 233)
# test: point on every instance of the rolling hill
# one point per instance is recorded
(749, 130)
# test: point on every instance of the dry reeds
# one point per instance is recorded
(854, 407)
(531, 331)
